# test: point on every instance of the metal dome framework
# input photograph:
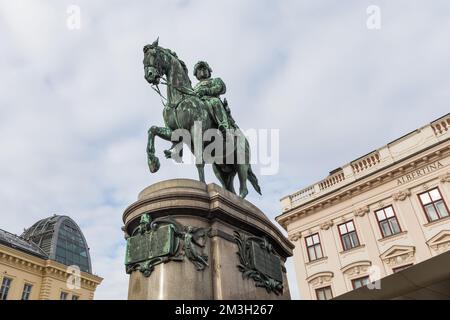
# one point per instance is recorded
(62, 240)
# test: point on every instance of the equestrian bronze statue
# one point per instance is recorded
(186, 108)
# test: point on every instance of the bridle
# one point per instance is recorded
(182, 90)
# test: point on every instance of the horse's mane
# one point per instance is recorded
(183, 65)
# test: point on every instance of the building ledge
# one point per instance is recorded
(437, 222)
(317, 261)
(394, 236)
(361, 246)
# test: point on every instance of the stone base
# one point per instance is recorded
(221, 213)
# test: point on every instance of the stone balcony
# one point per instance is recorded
(409, 144)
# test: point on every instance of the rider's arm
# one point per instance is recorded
(218, 87)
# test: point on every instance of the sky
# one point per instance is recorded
(75, 108)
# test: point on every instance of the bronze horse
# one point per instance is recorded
(182, 110)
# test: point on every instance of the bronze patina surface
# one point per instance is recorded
(157, 243)
(266, 262)
(163, 240)
(187, 109)
(258, 261)
(224, 246)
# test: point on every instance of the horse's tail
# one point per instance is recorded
(253, 179)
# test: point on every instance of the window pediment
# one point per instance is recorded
(357, 267)
(440, 242)
(320, 278)
(398, 255)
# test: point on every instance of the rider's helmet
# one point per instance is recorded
(202, 64)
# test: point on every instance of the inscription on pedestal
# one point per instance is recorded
(259, 262)
(156, 243)
(265, 262)
(152, 243)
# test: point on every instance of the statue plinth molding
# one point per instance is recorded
(193, 204)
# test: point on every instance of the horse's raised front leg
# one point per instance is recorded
(174, 148)
(163, 133)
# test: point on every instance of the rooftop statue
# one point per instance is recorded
(186, 107)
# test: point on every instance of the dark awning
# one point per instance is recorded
(428, 280)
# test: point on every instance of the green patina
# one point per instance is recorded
(259, 262)
(153, 244)
(161, 241)
(186, 106)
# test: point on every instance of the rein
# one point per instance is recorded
(182, 90)
(179, 89)
(160, 94)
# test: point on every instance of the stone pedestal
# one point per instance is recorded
(213, 232)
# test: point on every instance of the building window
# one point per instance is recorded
(360, 282)
(71, 248)
(6, 284)
(324, 293)
(433, 205)
(74, 297)
(398, 269)
(26, 291)
(387, 221)
(63, 295)
(348, 234)
(313, 247)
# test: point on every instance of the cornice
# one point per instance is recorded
(21, 260)
(377, 178)
(27, 263)
(210, 202)
(54, 267)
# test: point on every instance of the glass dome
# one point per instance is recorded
(62, 240)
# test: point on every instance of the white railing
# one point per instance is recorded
(302, 194)
(332, 180)
(394, 151)
(441, 126)
(366, 162)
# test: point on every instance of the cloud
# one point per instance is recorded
(75, 109)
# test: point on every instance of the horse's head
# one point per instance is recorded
(154, 62)
(159, 61)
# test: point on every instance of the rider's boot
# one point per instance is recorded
(222, 120)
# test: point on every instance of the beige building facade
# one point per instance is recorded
(49, 261)
(374, 216)
(27, 277)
